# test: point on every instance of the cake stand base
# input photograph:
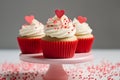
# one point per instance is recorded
(56, 72)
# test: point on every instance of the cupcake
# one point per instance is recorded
(60, 40)
(83, 34)
(30, 35)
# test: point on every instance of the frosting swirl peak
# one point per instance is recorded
(35, 28)
(81, 28)
(59, 27)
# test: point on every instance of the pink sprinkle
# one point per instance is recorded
(118, 64)
(55, 28)
(107, 70)
(24, 24)
(69, 20)
(55, 21)
(50, 18)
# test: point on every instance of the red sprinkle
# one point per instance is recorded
(104, 70)
(65, 23)
(65, 26)
(73, 25)
(55, 21)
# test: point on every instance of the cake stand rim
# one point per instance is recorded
(78, 58)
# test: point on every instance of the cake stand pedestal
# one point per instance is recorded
(56, 71)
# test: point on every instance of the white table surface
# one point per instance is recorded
(110, 55)
(113, 55)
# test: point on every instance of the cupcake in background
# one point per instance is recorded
(30, 35)
(83, 34)
(60, 40)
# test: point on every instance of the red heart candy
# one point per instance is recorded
(59, 13)
(29, 18)
(82, 19)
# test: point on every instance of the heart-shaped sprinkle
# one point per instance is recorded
(59, 13)
(29, 18)
(82, 19)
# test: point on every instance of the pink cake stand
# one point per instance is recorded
(56, 71)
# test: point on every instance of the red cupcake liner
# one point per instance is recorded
(84, 45)
(59, 49)
(28, 46)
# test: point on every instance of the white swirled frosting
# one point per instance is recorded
(81, 28)
(34, 29)
(59, 27)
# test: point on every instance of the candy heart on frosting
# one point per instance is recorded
(29, 18)
(59, 13)
(81, 19)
